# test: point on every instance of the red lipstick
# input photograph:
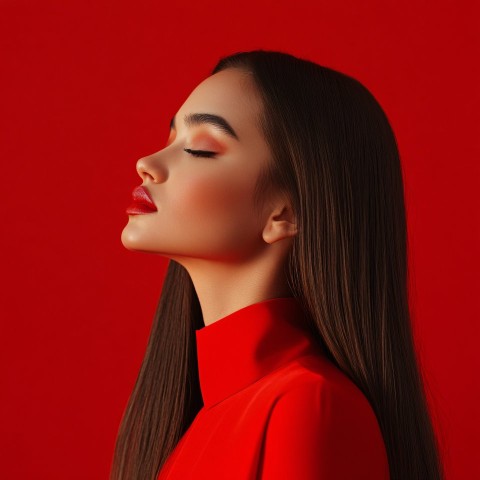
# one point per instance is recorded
(142, 202)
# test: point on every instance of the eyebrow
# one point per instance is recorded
(207, 118)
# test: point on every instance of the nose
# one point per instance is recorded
(150, 169)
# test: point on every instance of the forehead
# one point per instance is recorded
(230, 93)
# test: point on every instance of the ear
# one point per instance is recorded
(280, 224)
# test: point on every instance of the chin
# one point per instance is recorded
(134, 241)
(130, 239)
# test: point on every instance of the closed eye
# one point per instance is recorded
(199, 153)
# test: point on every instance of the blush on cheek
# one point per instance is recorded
(204, 200)
(215, 221)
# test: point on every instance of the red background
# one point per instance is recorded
(88, 87)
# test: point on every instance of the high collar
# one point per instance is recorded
(244, 346)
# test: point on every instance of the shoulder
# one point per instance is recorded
(318, 390)
(319, 383)
(313, 380)
(322, 426)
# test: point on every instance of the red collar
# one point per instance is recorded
(244, 346)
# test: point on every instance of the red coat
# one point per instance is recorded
(274, 406)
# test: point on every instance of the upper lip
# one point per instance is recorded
(141, 195)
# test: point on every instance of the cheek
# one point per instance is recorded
(212, 201)
(211, 215)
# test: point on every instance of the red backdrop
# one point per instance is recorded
(88, 87)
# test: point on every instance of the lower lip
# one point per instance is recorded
(139, 209)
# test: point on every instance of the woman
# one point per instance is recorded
(282, 345)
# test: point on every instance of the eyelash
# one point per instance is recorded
(199, 153)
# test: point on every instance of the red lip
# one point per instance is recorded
(142, 202)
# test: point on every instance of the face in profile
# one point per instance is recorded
(204, 201)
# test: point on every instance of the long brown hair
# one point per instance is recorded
(335, 154)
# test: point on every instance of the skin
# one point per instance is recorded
(205, 219)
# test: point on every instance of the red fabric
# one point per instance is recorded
(274, 406)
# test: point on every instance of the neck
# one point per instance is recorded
(223, 288)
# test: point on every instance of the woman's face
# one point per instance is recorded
(205, 205)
